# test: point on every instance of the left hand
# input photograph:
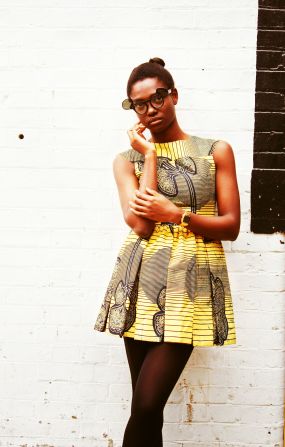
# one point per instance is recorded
(154, 206)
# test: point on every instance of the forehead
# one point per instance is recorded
(145, 88)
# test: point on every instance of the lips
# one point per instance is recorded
(154, 121)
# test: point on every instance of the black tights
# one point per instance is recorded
(155, 368)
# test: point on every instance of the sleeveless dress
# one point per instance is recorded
(174, 285)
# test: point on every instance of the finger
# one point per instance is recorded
(141, 135)
(138, 213)
(130, 133)
(151, 191)
(135, 134)
(140, 129)
(136, 206)
(142, 195)
(141, 202)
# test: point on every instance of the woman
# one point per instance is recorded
(169, 290)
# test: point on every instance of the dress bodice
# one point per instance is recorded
(185, 172)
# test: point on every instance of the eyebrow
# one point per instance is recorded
(143, 99)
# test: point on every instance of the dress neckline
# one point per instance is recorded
(174, 149)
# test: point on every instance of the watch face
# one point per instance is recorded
(186, 219)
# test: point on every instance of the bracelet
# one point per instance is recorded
(185, 218)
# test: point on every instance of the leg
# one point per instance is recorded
(136, 351)
(160, 370)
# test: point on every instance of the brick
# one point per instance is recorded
(271, 4)
(274, 102)
(120, 393)
(271, 19)
(271, 121)
(270, 81)
(273, 39)
(270, 60)
(267, 200)
(88, 392)
(263, 140)
(267, 160)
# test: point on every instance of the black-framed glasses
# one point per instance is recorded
(141, 106)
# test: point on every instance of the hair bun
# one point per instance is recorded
(157, 60)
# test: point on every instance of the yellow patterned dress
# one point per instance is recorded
(173, 286)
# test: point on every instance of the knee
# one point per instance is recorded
(147, 411)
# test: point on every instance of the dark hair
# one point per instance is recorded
(154, 68)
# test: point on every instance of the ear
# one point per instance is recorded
(174, 95)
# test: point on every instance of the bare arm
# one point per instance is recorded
(226, 225)
(127, 181)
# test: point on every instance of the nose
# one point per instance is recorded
(151, 111)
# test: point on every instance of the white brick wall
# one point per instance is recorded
(64, 68)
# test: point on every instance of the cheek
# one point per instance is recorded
(170, 114)
(142, 120)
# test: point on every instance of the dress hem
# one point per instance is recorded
(229, 342)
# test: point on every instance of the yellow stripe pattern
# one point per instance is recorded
(173, 286)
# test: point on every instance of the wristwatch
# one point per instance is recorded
(185, 219)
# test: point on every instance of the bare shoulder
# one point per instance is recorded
(223, 153)
(122, 166)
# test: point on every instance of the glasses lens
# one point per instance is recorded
(156, 101)
(126, 104)
(140, 108)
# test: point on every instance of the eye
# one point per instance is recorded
(157, 99)
(139, 106)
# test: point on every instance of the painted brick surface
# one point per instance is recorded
(268, 179)
(64, 68)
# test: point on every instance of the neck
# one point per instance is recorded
(172, 133)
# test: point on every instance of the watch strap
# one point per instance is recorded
(185, 218)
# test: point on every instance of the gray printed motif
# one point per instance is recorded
(187, 181)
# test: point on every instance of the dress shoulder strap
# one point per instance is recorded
(132, 155)
(213, 145)
(204, 146)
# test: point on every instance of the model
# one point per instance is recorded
(169, 290)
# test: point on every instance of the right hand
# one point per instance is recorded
(138, 141)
